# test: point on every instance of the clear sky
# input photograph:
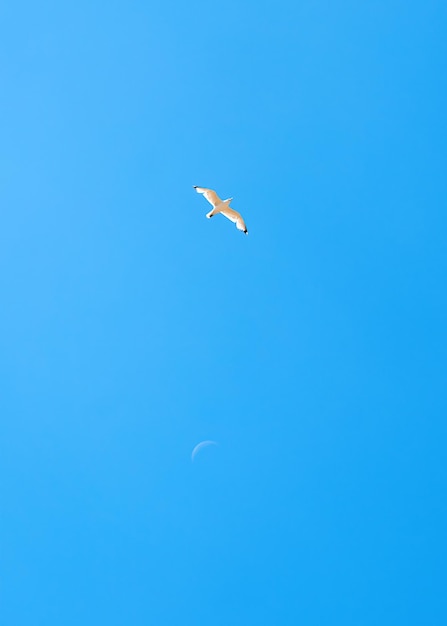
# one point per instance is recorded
(312, 351)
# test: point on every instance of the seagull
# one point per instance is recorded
(222, 206)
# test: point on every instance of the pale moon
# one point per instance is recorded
(199, 446)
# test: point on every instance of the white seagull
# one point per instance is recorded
(222, 206)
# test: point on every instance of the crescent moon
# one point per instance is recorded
(202, 444)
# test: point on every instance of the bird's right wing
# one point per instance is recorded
(236, 218)
(209, 194)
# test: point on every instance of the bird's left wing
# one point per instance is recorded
(209, 194)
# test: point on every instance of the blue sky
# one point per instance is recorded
(313, 351)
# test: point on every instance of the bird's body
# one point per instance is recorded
(222, 206)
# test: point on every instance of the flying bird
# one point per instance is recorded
(222, 206)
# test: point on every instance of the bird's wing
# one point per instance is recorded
(236, 218)
(209, 194)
